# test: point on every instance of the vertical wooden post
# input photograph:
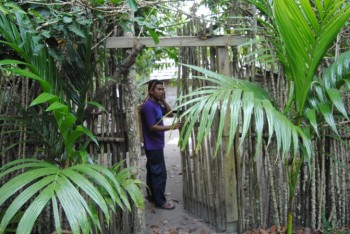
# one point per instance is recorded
(229, 165)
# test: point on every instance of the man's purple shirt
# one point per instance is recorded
(152, 113)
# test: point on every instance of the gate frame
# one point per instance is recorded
(222, 42)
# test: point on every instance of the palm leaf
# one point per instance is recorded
(94, 173)
(78, 69)
(129, 183)
(247, 106)
(88, 188)
(56, 215)
(327, 94)
(311, 116)
(74, 205)
(243, 97)
(40, 130)
(305, 41)
(24, 196)
(336, 74)
(35, 208)
(44, 182)
(336, 99)
(300, 35)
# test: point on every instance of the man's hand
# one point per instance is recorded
(177, 125)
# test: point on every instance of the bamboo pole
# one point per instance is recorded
(275, 210)
(313, 191)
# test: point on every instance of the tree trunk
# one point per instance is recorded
(133, 135)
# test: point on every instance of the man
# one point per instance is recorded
(152, 112)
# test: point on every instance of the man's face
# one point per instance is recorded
(158, 92)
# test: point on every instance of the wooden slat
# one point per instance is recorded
(127, 42)
(110, 139)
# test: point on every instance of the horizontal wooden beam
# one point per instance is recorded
(129, 42)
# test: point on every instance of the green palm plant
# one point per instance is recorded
(301, 33)
(304, 34)
(39, 130)
(70, 180)
(232, 97)
(44, 182)
(81, 190)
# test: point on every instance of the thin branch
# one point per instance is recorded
(103, 39)
(121, 70)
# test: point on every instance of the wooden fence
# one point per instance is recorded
(108, 126)
(240, 192)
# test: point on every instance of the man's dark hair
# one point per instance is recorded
(153, 84)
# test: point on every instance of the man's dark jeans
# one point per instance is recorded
(156, 176)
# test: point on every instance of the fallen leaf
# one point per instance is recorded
(273, 228)
(156, 231)
(283, 229)
(250, 232)
(262, 231)
(164, 222)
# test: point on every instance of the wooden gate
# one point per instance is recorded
(238, 192)
(209, 184)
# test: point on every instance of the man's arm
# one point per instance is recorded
(167, 107)
(163, 128)
(169, 113)
(160, 128)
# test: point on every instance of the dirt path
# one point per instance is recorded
(177, 221)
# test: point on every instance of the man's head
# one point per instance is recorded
(156, 89)
(152, 84)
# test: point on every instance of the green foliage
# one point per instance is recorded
(301, 35)
(69, 179)
(325, 95)
(331, 226)
(146, 62)
(44, 183)
(232, 97)
(132, 4)
(304, 40)
(41, 130)
(298, 36)
(301, 42)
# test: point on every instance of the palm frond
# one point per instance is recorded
(305, 40)
(336, 74)
(234, 97)
(78, 68)
(326, 93)
(44, 182)
(300, 35)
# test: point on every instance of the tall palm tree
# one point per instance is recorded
(301, 33)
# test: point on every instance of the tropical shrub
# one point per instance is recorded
(65, 178)
(297, 35)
